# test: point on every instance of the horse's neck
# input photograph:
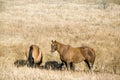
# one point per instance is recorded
(62, 48)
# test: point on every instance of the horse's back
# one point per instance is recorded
(87, 51)
(75, 54)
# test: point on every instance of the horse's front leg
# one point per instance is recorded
(60, 66)
(68, 66)
(72, 66)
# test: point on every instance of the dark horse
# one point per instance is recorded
(70, 55)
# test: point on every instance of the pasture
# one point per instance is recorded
(73, 22)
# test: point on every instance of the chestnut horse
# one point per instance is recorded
(70, 55)
(34, 56)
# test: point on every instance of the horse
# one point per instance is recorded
(70, 55)
(34, 56)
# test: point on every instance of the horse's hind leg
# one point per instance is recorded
(87, 62)
(92, 63)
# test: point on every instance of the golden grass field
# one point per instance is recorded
(77, 23)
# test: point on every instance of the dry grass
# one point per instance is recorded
(24, 73)
(38, 22)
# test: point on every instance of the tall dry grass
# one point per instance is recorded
(38, 22)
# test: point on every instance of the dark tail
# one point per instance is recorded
(30, 58)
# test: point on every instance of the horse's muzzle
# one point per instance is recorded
(51, 52)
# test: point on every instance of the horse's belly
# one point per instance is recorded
(65, 58)
(72, 58)
(77, 59)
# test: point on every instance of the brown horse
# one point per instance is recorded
(34, 56)
(69, 54)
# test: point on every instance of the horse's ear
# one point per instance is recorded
(55, 40)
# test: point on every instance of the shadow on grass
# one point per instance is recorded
(20, 63)
(49, 65)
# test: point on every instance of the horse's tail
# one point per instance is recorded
(30, 58)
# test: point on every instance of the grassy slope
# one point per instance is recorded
(38, 22)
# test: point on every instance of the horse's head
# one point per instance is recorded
(53, 46)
